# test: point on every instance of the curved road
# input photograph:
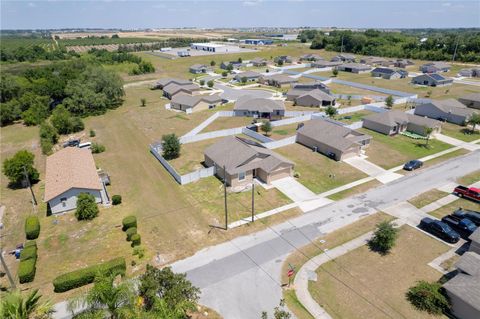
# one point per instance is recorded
(241, 278)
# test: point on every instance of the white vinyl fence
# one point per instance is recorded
(205, 136)
(351, 109)
(257, 136)
(355, 125)
(283, 142)
(298, 113)
(293, 120)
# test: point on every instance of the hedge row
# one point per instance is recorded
(129, 222)
(32, 227)
(130, 232)
(84, 276)
(136, 240)
(28, 262)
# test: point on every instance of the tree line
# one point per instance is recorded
(416, 44)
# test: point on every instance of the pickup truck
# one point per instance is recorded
(470, 214)
(465, 227)
(471, 193)
(439, 229)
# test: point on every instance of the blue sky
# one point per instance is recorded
(247, 13)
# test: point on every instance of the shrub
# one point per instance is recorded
(224, 73)
(130, 232)
(97, 148)
(429, 297)
(92, 133)
(136, 240)
(26, 270)
(30, 243)
(202, 82)
(29, 252)
(86, 207)
(116, 199)
(210, 84)
(171, 146)
(32, 227)
(139, 251)
(46, 146)
(128, 222)
(84, 276)
(383, 238)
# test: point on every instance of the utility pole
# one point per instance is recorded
(225, 195)
(253, 201)
(7, 271)
(455, 51)
(29, 185)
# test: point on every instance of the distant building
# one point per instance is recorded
(471, 73)
(471, 100)
(183, 53)
(258, 62)
(403, 63)
(249, 75)
(171, 89)
(259, 108)
(435, 67)
(394, 122)
(308, 86)
(283, 58)
(389, 74)
(310, 57)
(235, 65)
(321, 64)
(199, 68)
(186, 102)
(311, 98)
(344, 57)
(166, 81)
(277, 80)
(433, 79)
(214, 47)
(377, 61)
(258, 41)
(354, 67)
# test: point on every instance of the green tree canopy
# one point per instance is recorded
(383, 238)
(87, 208)
(429, 297)
(13, 167)
(266, 127)
(64, 122)
(171, 146)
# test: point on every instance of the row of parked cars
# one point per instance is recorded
(460, 224)
(76, 143)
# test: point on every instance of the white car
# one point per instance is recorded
(85, 145)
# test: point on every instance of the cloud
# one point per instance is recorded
(251, 3)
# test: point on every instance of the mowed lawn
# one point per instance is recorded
(460, 132)
(223, 123)
(426, 198)
(365, 284)
(390, 151)
(283, 131)
(318, 172)
(353, 117)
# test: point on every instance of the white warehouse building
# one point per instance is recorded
(214, 47)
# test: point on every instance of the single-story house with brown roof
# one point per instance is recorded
(435, 67)
(394, 122)
(277, 80)
(354, 67)
(171, 89)
(249, 75)
(283, 58)
(311, 98)
(240, 160)
(258, 62)
(195, 103)
(432, 79)
(70, 172)
(471, 100)
(332, 139)
(199, 68)
(449, 110)
(160, 84)
(344, 57)
(259, 108)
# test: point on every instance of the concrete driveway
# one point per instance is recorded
(382, 175)
(234, 94)
(293, 189)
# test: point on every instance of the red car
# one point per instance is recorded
(471, 193)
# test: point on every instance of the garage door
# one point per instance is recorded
(281, 173)
(350, 153)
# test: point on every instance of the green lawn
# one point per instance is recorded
(390, 151)
(444, 157)
(283, 131)
(350, 118)
(459, 203)
(460, 132)
(318, 172)
(427, 198)
(469, 178)
(223, 123)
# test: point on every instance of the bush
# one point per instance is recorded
(130, 232)
(32, 227)
(136, 240)
(97, 148)
(26, 270)
(210, 84)
(171, 146)
(383, 238)
(92, 133)
(46, 146)
(29, 252)
(429, 297)
(128, 222)
(30, 243)
(139, 251)
(87, 208)
(85, 276)
(116, 199)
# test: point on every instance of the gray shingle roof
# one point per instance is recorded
(192, 100)
(166, 81)
(384, 70)
(475, 236)
(356, 66)
(248, 103)
(281, 78)
(318, 95)
(452, 106)
(248, 74)
(472, 97)
(394, 117)
(173, 88)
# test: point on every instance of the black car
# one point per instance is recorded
(72, 143)
(439, 229)
(413, 164)
(465, 227)
(470, 214)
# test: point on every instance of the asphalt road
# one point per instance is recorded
(241, 278)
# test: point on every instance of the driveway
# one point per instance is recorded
(380, 174)
(293, 189)
(234, 94)
(457, 142)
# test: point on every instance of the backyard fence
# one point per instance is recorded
(281, 143)
(355, 126)
(205, 136)
(293, 120)
(298, 113)
(374, 108)
(351, 109)
(257, 136)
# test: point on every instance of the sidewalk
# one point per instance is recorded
(456, 142)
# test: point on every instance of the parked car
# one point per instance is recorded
(471, 193)
(439, 229)
(412, 165)
(72, 143)
(470, 214)
(465, 227)
(85, 145)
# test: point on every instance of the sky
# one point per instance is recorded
(53, 14)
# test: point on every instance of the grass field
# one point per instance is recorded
(350, 118)
(460, 132)
(469, 178)
(444, 157)
(283, 131)
(318, 172)
(223, 123)
(11, 43)
(390, 151)
(459, 203)
(365, 284)
(426, 198)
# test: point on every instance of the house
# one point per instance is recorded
(283, 59)
(234, 65)
(259, 62)
(199, 68)
(475, 72)
(259, 108)
(194, 103)
(69, 172)
(449, 110)
(403, 63)
(277, 80)
(321, 64)
(166, 81)
(214, 47)
(394, 122)
(311, 98)
(354, 67)
(332, 139)
(471, 100)
(372, 60)
(463, 289)
(389, 74)
(311, 57)
(308, 86)
(183, 53)
(249, 75)
(171, 89)
(433, 79)
(258, 41)
(475, 241)
(238, 161)
(435, 67)
(344, 57)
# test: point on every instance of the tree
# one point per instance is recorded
(331, 111)
(48, 137)
(143, 102)
(212, 63)
(9, 87)
(383, 238)
(105, 299)
(64, 122)
(87, 208)
(279, 312)
(280, 62)
(9, 112)
(210, 83)
(389, 102)
(266, 127)
(240, 60)
(229, 67)
(474, 121)
(224, 73)
(335, 72)
(171, 146)
(202, 82)
(14, 305)
(244, 79)
(429, 297)
(164, 284)
(14, 167)
(428, 133)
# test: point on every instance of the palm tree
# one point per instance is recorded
(105, 299)
(16, 306)
(474, 121)
(428, 132)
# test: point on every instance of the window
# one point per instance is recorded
(64, 201)
(241, 176)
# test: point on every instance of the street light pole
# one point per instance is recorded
(225, 195)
